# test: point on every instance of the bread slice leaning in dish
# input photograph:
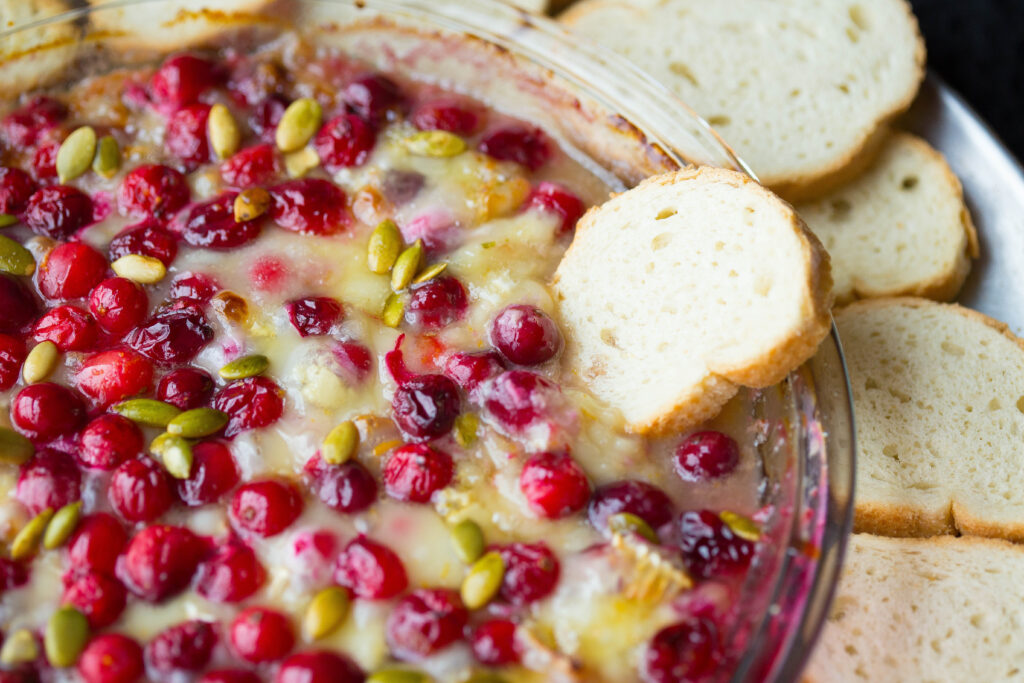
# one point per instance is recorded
(35, 57)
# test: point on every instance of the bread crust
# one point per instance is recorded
(36, 57)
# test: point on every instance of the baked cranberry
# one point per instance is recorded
(639, 498)
(148, 238)
(260, 634)
(401, 187)
(23, 674)
(172, 335)
(554, 198)
(426, 621)
(525, 146)
(436, 303)
(111, 658)
(140, 490)
(231, 574)
(46, 410)
(525, 335)
(23, 126)
(710, 548)
(44, 162)
(186, 136)
(446, 114)
(554, 485)
(319, 666)
(153, 190)
(266, 115)
(214, 473)
(425, 407)
(687, 651)
(112, 376)
(344, 141)
(212, 225)
(12, 574)
(268, 273)
(250, 403)
(58, 212)
(266, 508)
(96, 543)
(12, 355)
(16, 187)
(348, 488)
(314, 315)
(182, 79)
(159, 561)
(69, 327)
(196, 287)
(49, 480)
(119, 305)
(531, 572)
(415, 472)
(370, 570)
(230, 676)
(17, 304)
(374, 97)
(251, 81)
(249, 167)
(468, 370)
(70, 271)
(494, 643)
(355, 360)
(100, 597)
(185, 388)
(518, 398)
(108, 441)
(187, 646)
(706, 455)
(309, 205)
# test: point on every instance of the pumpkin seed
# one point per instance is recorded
(7, 219)
(15, 449)
(26, 542)
(340, 443)
(20, 647)
(429, 273)
(222, 128)
(394, 310)
(15, 259)
(468, 540)
(385, 245)
(176, 454)
(197, 423)
(246, 366)
(626, 523)
(147, 411)
(325, 612)
(435, 143)
(483, 580)
(251, 204)
(300, 121)
(406, 266)
(40, 362)
(744, 527)
(146, 270)
(62, 525)
(76, 153)
(398, 676)
(298, 164)
(65, 637)
(107, 161)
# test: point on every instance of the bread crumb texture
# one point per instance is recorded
(34, 57)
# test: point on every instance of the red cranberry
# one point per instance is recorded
(556, 199)
(212, 225)
(250, 403)
(494, 643)
(16, 187)
(265, 117)
(268, 273)
(185, 388)
(446, 114)
(173, 335)
(639, 498)
(554, 485)
(12, 575)
(140, 490)
(182, 79)
(159, 561)
(260, 634)
(153, 190)
(108, 441)
(250, 167)
(415, 472)
(96, 543)
(710, 548)
(17, 304)
(69, 327)
(112, 376)
(531, 572)
(119, 305)
(525, 146)
(370, 570)
(426, 621)
(58, 212)
(374, 97)
(232, 574)
(186, 135)
(23, 127)
(70, 271)
(525, 335)
(319, 666)
(314, 315)
(425, 407)
(706, 455)
(148, 238)
(213, 474)
(111, 658)
(355, 360)
(12, 355)
(266, 508)
(687, 651)
(187, 646)
(230, 676)
(44, 162)
(100, 597)
(309, 205)
(348, 488)
(46, 410)
(344, 141)
(49, 480)
(196, 287)
(436, 303)
(468, 370)
(518, 398)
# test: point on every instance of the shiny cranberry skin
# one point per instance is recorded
(436, 303)
(231, 574)
(100, 597)
(16, 187)
(12, 574)
(447, 115)
(159, 561)
(58, 212)
(710, 548)
(250, 403)
(266, 508)
(148, 238)
(111, 658)
(348, 488)
(554, 485)
(531, 572)
(140, 490)
(46, 410)
(17, 304)
(639, 498)
(556, 199)
(249, 167)
(468, 370)
(374, 97)
(112, 376)
(370, 570)
(118, 304)
(44, 162)
(212, 225)
(314, 315)
(70, 271)
(706, 455)
(12, 355)
(319, 666)
(172, 335)
(96, 543)
(355, 360)
(69, 327)
(309, 205)
(425, 406)
(214, 473)
(108, 441)
(525, 335)
(260, 634)
(185, 388)
(153, 190)
(265, 117)
(49, 480)
(525, 146)
(518, 398)
(186, 135)
(344, 141)
(687, 651)
(494, 643)
(414, 472)
(426, 621)
(23, 127)
(182, 79)
(230, 676)
(187, 646)
(196, 287)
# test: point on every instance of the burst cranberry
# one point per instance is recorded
(426, 621)
(148, 238)
(555, 199)
(554, 485)
(319, 666)
(374, 97)
(119, 305)
(58, 212)
(46, 410)
(23, 126)
(415, 472)
(687, 651)
(44, 162)
(12, 574)
(706, 455)
(265, 117)
(230, 676)
(140, 490)
(186, 135)
(232, 574)
(531, 572)
(314, 315)
(17, 304)
(446, 114)
(99, 597)
(266, 508)
(111, 376)
(173, 335)
(518, 398)
(468, 370)
(16, 187)
(525, 146)
(344, 141)
(111, 658)
(196, 287)
(494, 643)
(639, 498)
(355, 360)
(370, 570)
(214, 473)
(425, 407)
(212, 225)
(97, 542)
(187, 646)
(259, 634)
(153, 190)
(348, 488)
(69, 327)
(710, 547)
(436, 303)
(310, 205)
(49, 480)
(108, 441)
(525, 335)
(70, 271)
(159, 561)
(250, 403)
(185, 388)
(12, 354)
(250, 167)
(182, 79)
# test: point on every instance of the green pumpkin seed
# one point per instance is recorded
(340, 444)
(76, 154)
(468, 540)
(398, 676)
(435, 143)
(147, 411)
(197, 423)
(107, 161)
(65, 637)
(146, 270)
(394, 310)
(300, 121)
(429, 273)
(325, 612)
(466, 426)
(483, 580)
(297, 164)
(20, 647)
(156, 446)
(7, 219)
(15, 449)
(385, 245)
(246, 366)
(15, 259)
(744, 527)
(225, 137)
(251, 204)
(176, 454)
(26, 543)
(406, 266)
(62, 525)
(628, 523)
(40, 362)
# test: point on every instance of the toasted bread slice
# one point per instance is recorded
(34, 57)
(938, 391)
(800, 88)
(679, 291)
(899, 229)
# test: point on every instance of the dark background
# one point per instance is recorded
(977, 46)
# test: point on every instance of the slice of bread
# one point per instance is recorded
(936, 609)
(938, 393)
(680, 290)
(800, 88)
(899, 229)
(34, 57)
